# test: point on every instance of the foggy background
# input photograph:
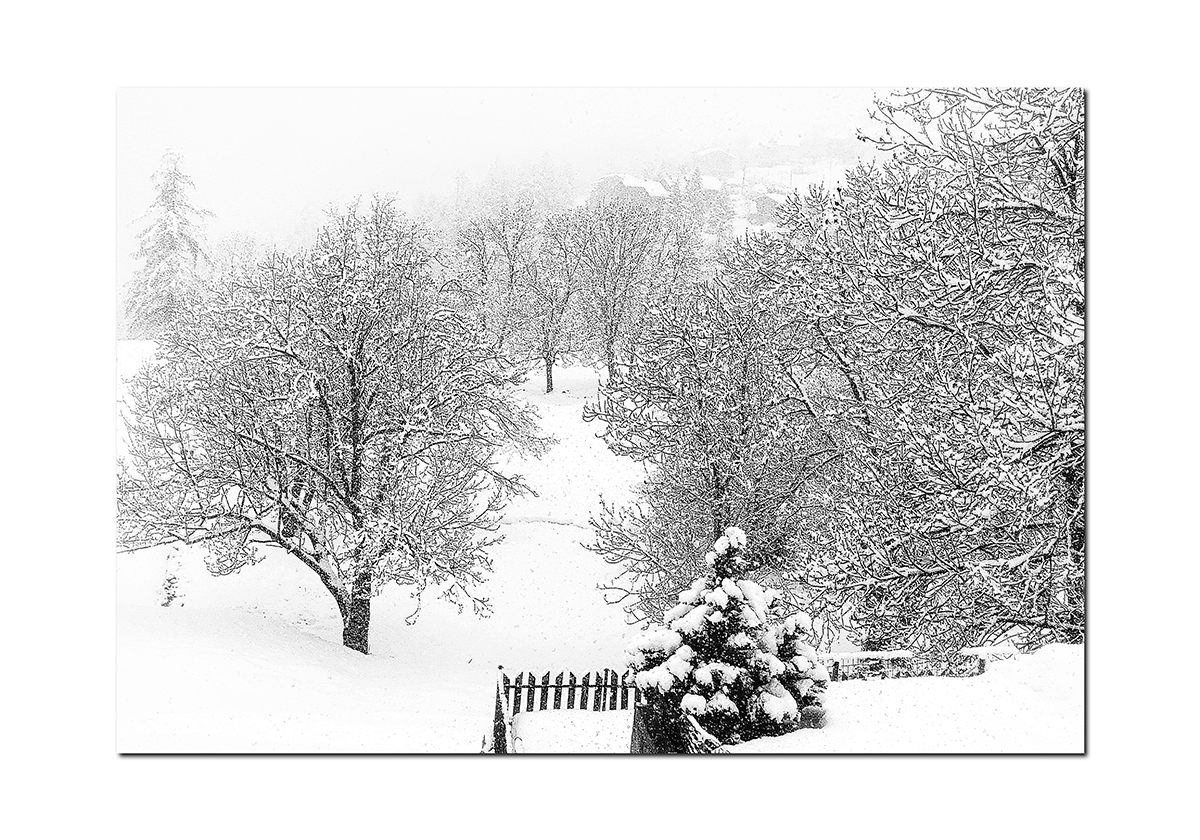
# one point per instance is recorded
(269, 161)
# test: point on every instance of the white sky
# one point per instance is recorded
(269, 161)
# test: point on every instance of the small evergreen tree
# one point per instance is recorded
(171, 248)
(727, 658)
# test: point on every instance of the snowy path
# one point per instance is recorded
(253, 662)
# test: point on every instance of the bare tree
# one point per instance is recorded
(705, 400)
(621, 245)
(337, 406)
(501, 252)
(553, 321)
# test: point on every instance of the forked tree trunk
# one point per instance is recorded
(356, 620)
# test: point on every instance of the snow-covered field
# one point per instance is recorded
(253, 662)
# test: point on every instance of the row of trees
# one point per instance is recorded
(549, 279)
(886, 393)
(346, 404)
(577, 281)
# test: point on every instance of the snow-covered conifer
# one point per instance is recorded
(727, 658)
(171, 248)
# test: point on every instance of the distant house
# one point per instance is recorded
(765, 207)
(715, 162)
(627, 188)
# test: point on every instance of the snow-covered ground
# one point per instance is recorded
(573, 731)
(253, 662)
(1029, 704)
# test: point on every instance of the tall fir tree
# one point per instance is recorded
(171, 248)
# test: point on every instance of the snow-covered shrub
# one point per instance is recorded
(727, 657)
(804, 676)
(170, 589)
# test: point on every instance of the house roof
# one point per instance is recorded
(652, 188)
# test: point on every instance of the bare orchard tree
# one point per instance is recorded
(706, 402)
(336, 406)
(552, 321)
(621, 245)
(530, 274)
(499, 249)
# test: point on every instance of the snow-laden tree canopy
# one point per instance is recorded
(885, 389)
(944, 290)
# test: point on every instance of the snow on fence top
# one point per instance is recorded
(990, 651)
(846, 664)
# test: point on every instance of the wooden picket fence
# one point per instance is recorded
(597, 691)
(848, 665)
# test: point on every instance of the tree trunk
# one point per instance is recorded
(549, 374)
(655, 733)
(719, 514)
(356, 621)
(610, 354)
